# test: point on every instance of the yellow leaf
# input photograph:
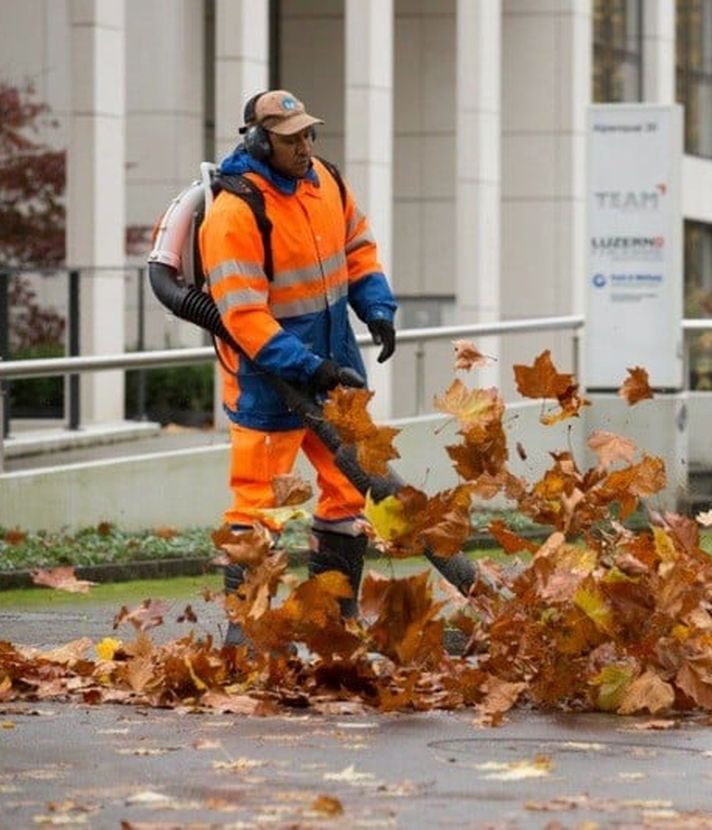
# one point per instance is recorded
(538, 767)
(387, 517)
(107, 648)
(665, 548)
(589, 599)
(612, 681)
(194, 677)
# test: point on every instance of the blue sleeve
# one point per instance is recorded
(371, 298)
(286, 356)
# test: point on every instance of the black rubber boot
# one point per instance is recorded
(339, 552)
(234, 577)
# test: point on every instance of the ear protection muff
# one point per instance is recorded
(257, 142)
(256, 139)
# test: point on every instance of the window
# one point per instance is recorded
(617, 50)
(694, 73)
(698, 300)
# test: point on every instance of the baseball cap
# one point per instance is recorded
(283, 113)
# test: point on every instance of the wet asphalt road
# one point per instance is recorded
(71, 765)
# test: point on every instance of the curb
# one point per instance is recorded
(128, 571)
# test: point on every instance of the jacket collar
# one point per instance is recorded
(240, 161)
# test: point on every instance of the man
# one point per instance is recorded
(284, 296)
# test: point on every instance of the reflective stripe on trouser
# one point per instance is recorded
(258, 456)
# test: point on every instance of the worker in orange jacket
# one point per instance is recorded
(284, 297)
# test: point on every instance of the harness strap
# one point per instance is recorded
(246, 190)
(336, 175)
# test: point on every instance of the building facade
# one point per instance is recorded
(459, 123)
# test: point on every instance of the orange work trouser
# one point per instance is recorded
(257, 457)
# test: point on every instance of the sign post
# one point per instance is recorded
(634, 277)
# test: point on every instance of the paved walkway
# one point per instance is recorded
(96, 767)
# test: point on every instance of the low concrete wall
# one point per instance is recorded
(699, 420)
(188, 488)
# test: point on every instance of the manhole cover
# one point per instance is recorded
(528, 746)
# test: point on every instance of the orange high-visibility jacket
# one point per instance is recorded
(324, 259)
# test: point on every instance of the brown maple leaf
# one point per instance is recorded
(472, 408)
(447, 536)
(628, 485)
(188, 615)
(542, 380)
(406, 629)
(252, 599)
(310, 614)
(610, 447)
(695, 683)
(647, 692)
(290, 489)
(376, 450)
(247, 547)
(346, 409)
(500, 696)
(481, 452)
(468, 356)
(570, 404)
(441, 522)
(147, 615)
(636, 387)
(510, 542)
(62, 579)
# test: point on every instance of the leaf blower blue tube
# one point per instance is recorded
(195, 306)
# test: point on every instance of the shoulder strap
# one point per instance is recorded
(248, 191)
(338, 178)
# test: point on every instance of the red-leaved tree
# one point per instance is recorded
(32, 213)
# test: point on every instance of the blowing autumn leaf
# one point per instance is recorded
(468, 356)
(636, 386)
(610, 447)
(346, 409)
(473, 408)
(62, 579)
(543, 380)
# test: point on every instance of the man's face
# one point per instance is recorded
(291, 154)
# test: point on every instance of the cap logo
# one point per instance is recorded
(289, 104)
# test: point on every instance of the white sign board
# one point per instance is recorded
(634, 281)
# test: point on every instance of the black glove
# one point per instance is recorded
(330, 374)
(383, 335)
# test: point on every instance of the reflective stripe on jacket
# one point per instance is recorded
(324, 259)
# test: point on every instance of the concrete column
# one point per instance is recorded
(478, 126)
(165, 134)
(369, 141)
(241, 64)
(241, 71)
(658, 51)
(96, 192)
(546, 84)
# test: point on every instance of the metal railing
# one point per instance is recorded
(72, 337)
(49, 367)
